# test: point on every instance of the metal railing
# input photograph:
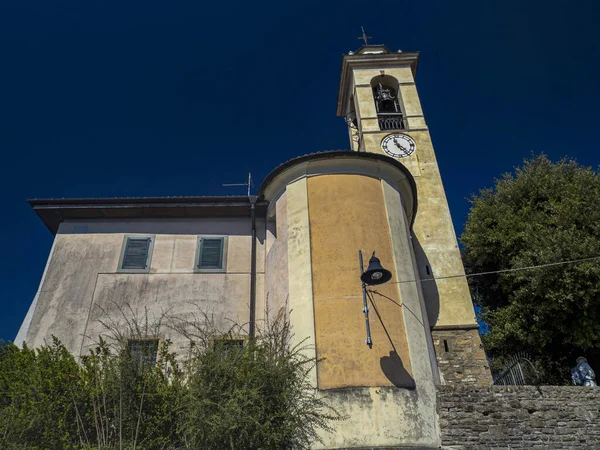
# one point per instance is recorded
(390, 121)
(520, 372)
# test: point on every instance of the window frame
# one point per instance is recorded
(199, 239)
(391, 82)
(152, 238)
(138, 340)
(215, 341)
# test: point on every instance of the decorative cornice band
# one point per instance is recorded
(395, 131)
(403, 83)
(473, 326)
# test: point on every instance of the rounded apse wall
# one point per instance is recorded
(347, 212)
(323, 208)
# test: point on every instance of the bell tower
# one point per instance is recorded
(378, 99)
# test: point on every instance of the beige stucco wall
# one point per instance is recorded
(300, 271)
(276, 263)
(413, 302)
(382, 418)
(82, 283)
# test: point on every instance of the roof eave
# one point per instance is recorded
(55, 211)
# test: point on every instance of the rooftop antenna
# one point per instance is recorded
(364, 36)
(249, 183)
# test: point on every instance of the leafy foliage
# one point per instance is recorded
(254, 397)
(543, 213)
(129, 401)
(36, 397)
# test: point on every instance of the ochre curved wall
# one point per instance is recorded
(348, 213)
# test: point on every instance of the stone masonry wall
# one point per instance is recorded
(460, 357)
(518, 417)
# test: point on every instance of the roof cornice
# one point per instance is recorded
(55, 211)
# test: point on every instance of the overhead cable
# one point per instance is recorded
(469, 275)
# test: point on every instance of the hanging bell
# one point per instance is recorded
(375, 273)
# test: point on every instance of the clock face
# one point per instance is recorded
(398, 145)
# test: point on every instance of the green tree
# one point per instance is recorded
(543, 213)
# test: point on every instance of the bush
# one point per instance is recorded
(36, 397)
(253, 397)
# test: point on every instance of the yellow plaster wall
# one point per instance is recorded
(347, 213)
(448, 301)
(410, 100)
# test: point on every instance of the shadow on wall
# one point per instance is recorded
(394, 370)
(392, 366)
(431, 295)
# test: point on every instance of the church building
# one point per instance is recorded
(295, 245)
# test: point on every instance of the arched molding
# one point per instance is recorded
(342, 162)
(385, 80)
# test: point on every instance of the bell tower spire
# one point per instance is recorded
(377, 95)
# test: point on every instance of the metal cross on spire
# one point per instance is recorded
(364, 36)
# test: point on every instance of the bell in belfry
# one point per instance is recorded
(384, 94)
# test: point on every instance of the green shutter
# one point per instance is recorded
(211, 253)
(136, 253)
(144, 351)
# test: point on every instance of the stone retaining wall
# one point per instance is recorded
(515, 417)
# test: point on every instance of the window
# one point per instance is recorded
(144, 351)
(225, 345)
(136, 254)
(386, 99)
(211, 254)
(387, 103)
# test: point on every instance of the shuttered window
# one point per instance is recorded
(226, 345)
(136, 253)
(211, 253)
(144, 351)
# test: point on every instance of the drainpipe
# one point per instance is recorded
(252, 332)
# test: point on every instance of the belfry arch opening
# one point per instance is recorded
(387, 103)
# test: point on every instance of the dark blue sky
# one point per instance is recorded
(148, 98)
